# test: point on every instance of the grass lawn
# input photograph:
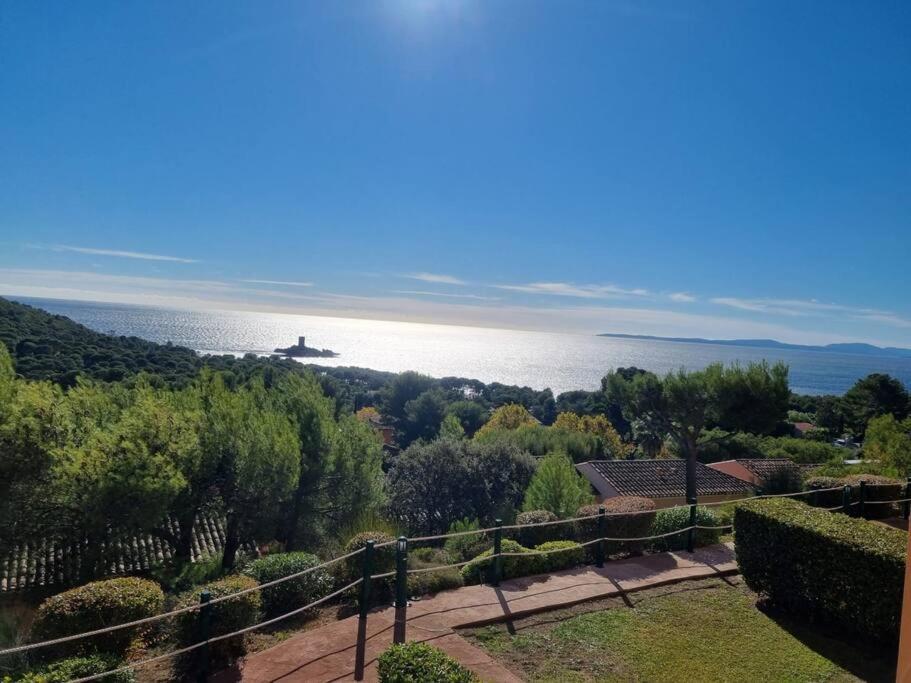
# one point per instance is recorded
(697, 631)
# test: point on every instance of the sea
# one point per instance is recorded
(559, 361)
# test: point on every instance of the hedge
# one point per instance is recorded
(75, 667)
(532, 536)
(477, 570)
(293, 593)
(226, 617)
(636, 524)
(671, 519)
(572, 555)
(383, 561)
(93, 606)
(420, 663)
(831, 567)
(878, 488)
(431, 582)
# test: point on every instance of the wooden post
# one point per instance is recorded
(401, 590)
(362, 612)
(599, 558)
(903, 671)
(497, 568)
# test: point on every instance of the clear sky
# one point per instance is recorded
(717, 169)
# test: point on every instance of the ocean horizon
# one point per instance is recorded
(555, 360)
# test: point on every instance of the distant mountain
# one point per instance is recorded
(860, 349)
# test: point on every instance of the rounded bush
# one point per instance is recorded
(225, 617)
(477, 570)
(65, 670)
(428, 583)
(419, 662)
(571, 555)
(671, 519)
(293, 593)
(93, 606)
(383, 561)
(535, 535)
(625, 517)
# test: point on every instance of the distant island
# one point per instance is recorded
(861, 349)
(301, 350)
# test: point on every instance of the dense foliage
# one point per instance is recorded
(559, 555)
(672, 519)
(521, 562)
(417, 662)
(625, 517)
(557, 487)
(533, 535)
(65, 670)
(846, 572)
(293, 593)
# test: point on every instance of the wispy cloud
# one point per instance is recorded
(682, 297)
(573, 290)
(446, 295)
(437, 278)
(281, 283)
(813, 308)
(122, 254)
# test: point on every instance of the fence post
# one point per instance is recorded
(906, 506)
(691, 534)
(401, 589)
(205, 631)
(863, 496)
(362, 614)
(846, 499)
(599, 558)
(497, 568)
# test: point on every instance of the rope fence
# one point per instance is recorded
(401, 545)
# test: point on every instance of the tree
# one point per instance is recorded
(752, 399)
(510, 416)
(403, 388)
(451, 428)
(558, 487)
(470, 414)
(423, 416)
(612, 445)
(889, 442)
(874, 395)
(433, 484)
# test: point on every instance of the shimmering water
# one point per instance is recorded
(536, 359)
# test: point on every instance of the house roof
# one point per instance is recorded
(766, 467)
(661, 478)
(804, 426)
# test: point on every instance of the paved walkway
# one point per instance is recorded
(327, 653)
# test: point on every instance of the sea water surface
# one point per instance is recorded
(562, 362)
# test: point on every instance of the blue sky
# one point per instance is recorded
(717, 169)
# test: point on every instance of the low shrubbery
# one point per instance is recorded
(843, 571)
(425, 583)
(535, 535)
(383, 561)
(293, 593)
(93, 606)
(671, 519)
(878, 488)
(569, 554)
(75, 667)
(420, 663)
(225, 617)
(463, 548)
(477, 571)
(625, 517)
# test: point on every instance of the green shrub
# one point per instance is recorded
(843, 571)
(93, 606)
(383, 561)
(226, 616)
(571, 555)
(821, 497)
(421, 663)
(878, 488)
(294, 593)
(625, 517)
(671, 519)
(76, 667)
(463, 548)
(477, 571)
(535, 535)
(428, 583)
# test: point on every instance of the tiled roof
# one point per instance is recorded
(766, 467)
(664, 478)
(46, 563)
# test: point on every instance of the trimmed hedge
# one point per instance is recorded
(671, 519)
(432, 582)
(294, 593)
(636, 524)
(878, 488)
(227, 616)
(844, 571)
(572, 555)
(421, 663)
(75, 667)
(532, 536)
(93, 606)
(476, 572)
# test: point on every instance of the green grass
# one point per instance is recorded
(708, 631)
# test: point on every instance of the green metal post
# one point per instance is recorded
(691, 534)
(205, 632)
(497, 549)
(906, 506)
(401, 589)
(361, 649)
(863, 496)
(846, 499)
(599, 558)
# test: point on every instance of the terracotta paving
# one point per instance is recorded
(327, 653)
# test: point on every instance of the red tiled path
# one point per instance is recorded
(327, 653)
